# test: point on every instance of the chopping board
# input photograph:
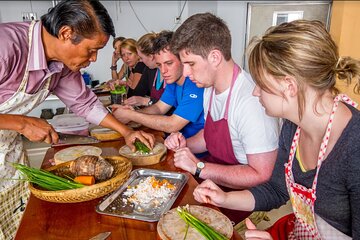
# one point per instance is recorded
(172, 227)
(71, 153)
(139, 159)
(104, 134)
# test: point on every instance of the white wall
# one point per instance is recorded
(154, 15)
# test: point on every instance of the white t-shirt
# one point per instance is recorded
(251, 130)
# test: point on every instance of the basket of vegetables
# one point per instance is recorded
(86, 178)
(143, 155)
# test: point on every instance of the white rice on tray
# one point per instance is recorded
(150, 192)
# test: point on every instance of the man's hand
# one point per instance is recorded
(37, 130)
(209, 192)
(185, 159)
(137, 101)
(252, 233)
(175, 141)
(146, 138)
(122, 113)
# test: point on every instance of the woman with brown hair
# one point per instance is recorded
(295, 66)
(115, 58)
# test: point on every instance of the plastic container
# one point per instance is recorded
(71, 124)
(87, 78)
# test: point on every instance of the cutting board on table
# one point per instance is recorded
(172, 226)
(71, 153)
(138, 159)
(104, 134)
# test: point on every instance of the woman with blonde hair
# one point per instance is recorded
(151, 79)
(295, 66)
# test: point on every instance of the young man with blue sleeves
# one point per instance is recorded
(180, 93)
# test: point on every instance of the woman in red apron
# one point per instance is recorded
(295, 66)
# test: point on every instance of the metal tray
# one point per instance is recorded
(115, 206)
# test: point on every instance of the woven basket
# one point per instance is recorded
(122, 170)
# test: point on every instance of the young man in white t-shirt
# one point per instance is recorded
(241, 139)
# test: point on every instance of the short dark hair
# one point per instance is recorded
(200, 34)
(162, 42)
(85, 17)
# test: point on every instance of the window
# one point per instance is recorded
(286, 16)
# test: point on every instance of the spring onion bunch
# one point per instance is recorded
(204, 229)
(46, 179)
(141, 147)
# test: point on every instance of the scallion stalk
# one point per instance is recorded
(204, 229)
(46, 179)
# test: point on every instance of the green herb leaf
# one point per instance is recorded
(141, 147)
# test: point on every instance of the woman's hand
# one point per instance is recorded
(209, 192)
(175, 141)
(253, 234)
(115, 58)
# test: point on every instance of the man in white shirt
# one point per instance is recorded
(241, 139)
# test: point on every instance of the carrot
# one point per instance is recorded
(86, 180)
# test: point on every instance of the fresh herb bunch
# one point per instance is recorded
(204, 229)
(46, 179)
(141, 147)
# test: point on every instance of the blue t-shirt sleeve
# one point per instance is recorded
(169, 95)
(191, 105)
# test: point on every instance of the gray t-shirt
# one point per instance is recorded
(338, 188)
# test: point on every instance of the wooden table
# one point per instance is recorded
(60, 221)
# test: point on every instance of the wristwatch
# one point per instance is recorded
(199, 166)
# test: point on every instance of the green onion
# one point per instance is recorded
(141, 147)
(46, 179)
(204, 229)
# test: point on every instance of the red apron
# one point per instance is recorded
(157, 91)
(219, 145)
(304, 223)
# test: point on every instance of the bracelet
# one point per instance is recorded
(113, 67)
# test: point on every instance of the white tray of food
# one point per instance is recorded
(145, 196)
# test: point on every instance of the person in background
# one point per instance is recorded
(295, 66)
(241, 139)
(37, 58)
(115, 58)
(151, 78)
(134, 69)
(180, 93)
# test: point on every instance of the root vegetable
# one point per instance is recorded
(86, 180)
(89, 165)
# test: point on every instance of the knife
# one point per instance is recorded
(101, 236)
(70, 139)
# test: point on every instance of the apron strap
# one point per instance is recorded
(24, 81)
(236, 70)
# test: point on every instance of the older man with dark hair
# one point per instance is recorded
(37, 58)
